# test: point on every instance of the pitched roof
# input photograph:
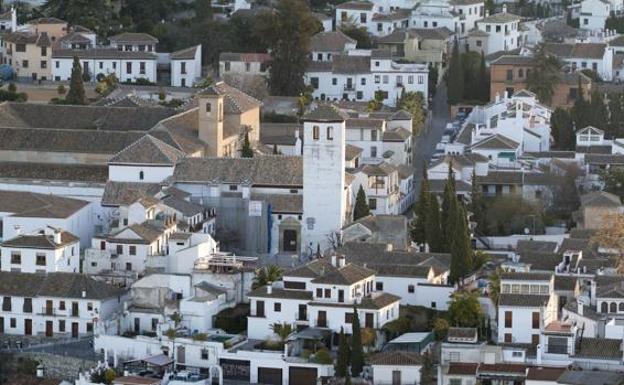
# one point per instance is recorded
(93, 118)
(133, 37)
(185, 207)
(398, 134)
(262, 292)
(235, 101)
(442, 33)
(103, 53)
(565, 283)
(330, 41)
(544, 373)
(514, 60)
(462, 369)
(351, 151)
(312, 269)
(346, 275)
(280, 133)
(126, 193)
(282, 203)
(502, 17)
(260, 170)
(522, 276)
(148, 232)
(601, 348)
(54, 172)
(590, 377)
(496, 142)
(369, 253)
(539, 260)
(393, 270)
(396, 358)
(245, 57)
(148, 150)
(457, 332)
(185, 54)
(525, 245)
(522, 300)
(41, 241)
(356, 5)
(325, 113)
(34, 205)
(350, 64)
(58, 285)
(600, 199)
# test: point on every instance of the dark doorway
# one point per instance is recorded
(49, 329)
(74, 329)
(28, 327)
(370, 320)
(270, 376)
(290, 240)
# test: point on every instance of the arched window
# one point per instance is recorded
(613, 307)
(604, 307)
(141, 175)
(316, 132)
(330, 133)
(208, 107)
(520, 73)
(621, 306)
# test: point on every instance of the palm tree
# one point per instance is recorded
(283, 331)
(545, 76)
(266, 275)
(495, 286)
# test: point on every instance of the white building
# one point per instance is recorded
(231, 63)
(45, 251)
(396, 367)
(186, 66)
(322, 295)
(127, 65)
(522, 312)
(597, 57)
(55, 304)
(132, 41)
(497, 32)
(325, 45)
(458, 16)
(594, 14)
(25, 213)
(360, 75)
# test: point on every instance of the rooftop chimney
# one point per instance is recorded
(504, 8)
(57, 237)
(270, 288)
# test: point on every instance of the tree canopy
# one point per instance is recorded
(287, 32)
(361, 208)
(465, 309)
(545, 76)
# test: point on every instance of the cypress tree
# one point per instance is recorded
(247, 151)
(598, 111)
(418, 232)
(476, 201)
(342, 361)
(448, 200)
(426, 375)
(275, 150)
(357, 352)
(461, 250)
(455, 76)
(361, 205)
(433, 229)
(484, 82)
(76, 94)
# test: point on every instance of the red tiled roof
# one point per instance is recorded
(463, 369)
(544, 374)
(503, 368)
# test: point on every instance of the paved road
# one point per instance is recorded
(425, 144)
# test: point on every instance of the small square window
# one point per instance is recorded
(277, 307)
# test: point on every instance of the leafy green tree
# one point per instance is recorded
(414, 103)
(203, 9)
(615, 128)
(76, 94)
(357, 351)
(432, 225)
(359, 34)
(361, 208)
(266, 275)
(344, 356)
(455, 80)
(613, 179)
(561, 129)
(543, 79)
(98, 15)
(465, 309)
(287, 32)
(376, 103)
(246, 150)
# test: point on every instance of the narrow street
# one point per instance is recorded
(424, 145)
